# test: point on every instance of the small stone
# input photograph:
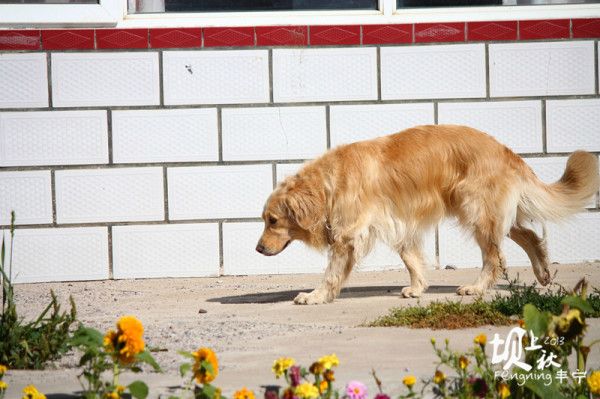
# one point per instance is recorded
(202, 311)
(450, 267)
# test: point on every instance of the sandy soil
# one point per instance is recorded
(250, 321)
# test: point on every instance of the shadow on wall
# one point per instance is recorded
(351, 292)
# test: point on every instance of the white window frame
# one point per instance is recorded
(113, 13)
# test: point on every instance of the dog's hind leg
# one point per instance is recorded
(490, 241)
(536, 250)
(413, 258)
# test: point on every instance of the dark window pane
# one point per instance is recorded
(468, 3)
(267, 5)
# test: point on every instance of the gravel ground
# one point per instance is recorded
(250, 321)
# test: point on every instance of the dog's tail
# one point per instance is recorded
(567, 196)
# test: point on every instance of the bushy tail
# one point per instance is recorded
(568, 195)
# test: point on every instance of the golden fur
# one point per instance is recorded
(395, 188)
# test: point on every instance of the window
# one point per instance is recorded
(470, 3)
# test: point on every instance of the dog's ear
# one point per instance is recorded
(306, 206)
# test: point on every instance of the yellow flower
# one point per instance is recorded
(306, 391)
(120, 389)
(281, 365)
(594, 382)
(316, 368)
(217, 393)
(112, 395)
(463, 362)
(243, 393)
(409, 380)
(323, 386)
(3, 369)
(481, 339)
(127, 341)
(3, 385)
(439, 377)
(503, 390)
(329, 361)
(31, 392)
(201, 374)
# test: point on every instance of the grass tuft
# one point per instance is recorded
(444, 315)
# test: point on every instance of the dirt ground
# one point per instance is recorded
(250, 321)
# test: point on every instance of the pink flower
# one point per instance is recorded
(356, 390)
(294, 374)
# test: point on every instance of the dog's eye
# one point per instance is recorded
(272, 220)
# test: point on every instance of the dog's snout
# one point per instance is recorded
(260, 248)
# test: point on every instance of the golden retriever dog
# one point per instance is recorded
(395, 188)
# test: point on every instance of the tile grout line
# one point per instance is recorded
(166, 194)
(274, 174)
(49, 77)
(161, 82)
(544, 129)
(328, 126)
(53, 196)
(220, 135)
(110, 253)
(109, 132)
(221, 251)
(487, 71)
(270, 66)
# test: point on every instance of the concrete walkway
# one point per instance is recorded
(250, 321)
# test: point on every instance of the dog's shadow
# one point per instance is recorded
(350, 292)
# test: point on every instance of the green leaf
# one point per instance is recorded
(546, 392)
(147, 358)
(206, 365)
(138, 389)
(87, 337)
(186, 354)
(184, 368)
(207, 392)
(578, 303)
(535, 320)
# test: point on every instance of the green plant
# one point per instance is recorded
(116, 351)
(30, 345)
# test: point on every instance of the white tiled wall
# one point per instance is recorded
(80, 79)
(530, 69)
(169, 156)
(516, 124)
(24, 80)
(59, 254)
(446, 71)
(53, 138)
(174, 135)
(351, 123)
(216, 77)
(212, 192)
(183, 250)
(573, 125)
(109, 195)
(340, 74)
(28, 194)
(273, 133)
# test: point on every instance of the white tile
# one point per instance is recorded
(29, 194)
(350, 123)
(285, 170)
(273, 133)
(541, 68)
(182, 250)
(94, 79)
(573, 125)
(24, 80)
(458, 248)
(333, 74)
(174, 135)
(575, 240)
(66, 254)
(53, 138)
(109, 195)
(216, 77)
(209, 192)
(438, 71)
(516, 124)
(240, 256)
(550, 170)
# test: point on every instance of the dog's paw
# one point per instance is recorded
(410, 292)
(469, 290)
(310, 298)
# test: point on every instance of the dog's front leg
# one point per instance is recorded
(341, 261)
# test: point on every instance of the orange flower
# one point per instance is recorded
(127, 342)
(463, 362)
(202, 374)
(243, 393)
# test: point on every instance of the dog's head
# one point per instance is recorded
(294, 211)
